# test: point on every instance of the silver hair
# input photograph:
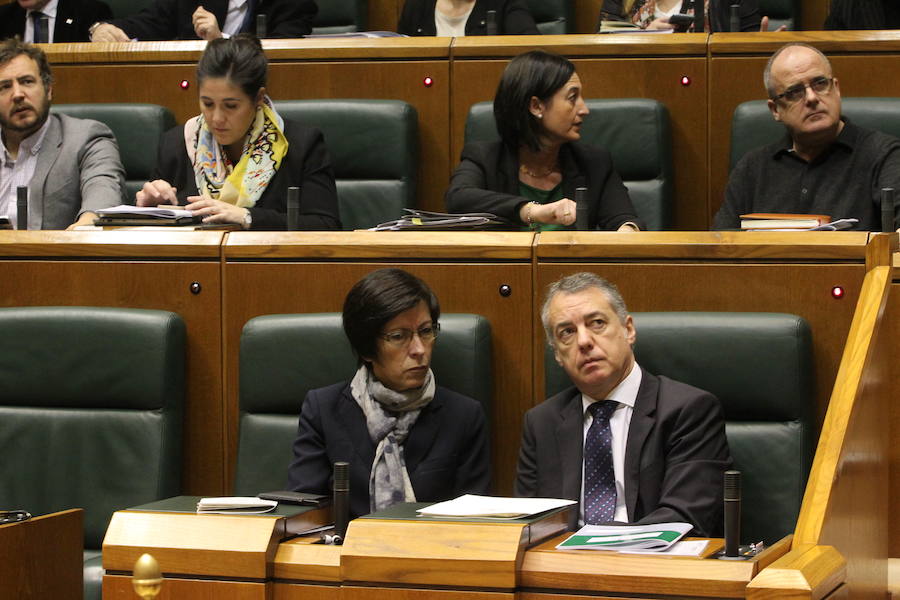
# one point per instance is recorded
(578, 282)
(767, 73)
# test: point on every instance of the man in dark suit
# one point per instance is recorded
(629, 446)
(67, 20)
(208, 20)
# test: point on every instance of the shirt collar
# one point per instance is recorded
(847, 138)
(32, 144)
(48, 11)
(624, 393)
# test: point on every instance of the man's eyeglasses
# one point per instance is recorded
(400, 338)
(795, 93)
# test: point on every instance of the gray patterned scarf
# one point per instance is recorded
(389, 417)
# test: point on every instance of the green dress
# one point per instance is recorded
(533, 194)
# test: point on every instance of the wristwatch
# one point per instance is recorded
(248, 220)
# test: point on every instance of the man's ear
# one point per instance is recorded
(773, 108)
(556, 356)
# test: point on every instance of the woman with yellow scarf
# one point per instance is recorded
(235, 161)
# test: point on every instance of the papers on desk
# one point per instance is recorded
(492, 507)
(420, 220)
(235, 505)
(627, 538)
(144, 212)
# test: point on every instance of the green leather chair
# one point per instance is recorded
(374, 150)
(285, 356)
(635, 131)
(752, 124)
(553, 17)
(340, 16)
(137, 127)
(90, 413)
(760, 366)
(781, 12)
(126, 8)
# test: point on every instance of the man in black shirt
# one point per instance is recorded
(825, 164)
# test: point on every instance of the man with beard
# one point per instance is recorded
(71, 166)
(67, 20)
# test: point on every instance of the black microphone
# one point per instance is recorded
(341, 501)
(492, 22)
(581, 209)
(261, 25)
(732, 514)
(22, 207)
(735, 18)
(293, 208)
(887, 210)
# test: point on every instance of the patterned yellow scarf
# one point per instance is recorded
(241, 184)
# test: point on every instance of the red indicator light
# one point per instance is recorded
(185, 84)
(837, 292)
(685, 80)
(428, 82)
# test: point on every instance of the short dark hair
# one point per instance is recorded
(14, 46)
(535, 73)
(376, 299)
(239, 59)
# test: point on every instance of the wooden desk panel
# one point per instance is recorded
(262, 276)
(42, 557)
(610, 67)
(892, 332)
(120, 587)
(138, 270)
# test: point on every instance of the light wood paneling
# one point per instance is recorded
(119, 587)
(891, 324)
(804, 573)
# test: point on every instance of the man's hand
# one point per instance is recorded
(661, 23)
(155, 193)
(764, 25)
(206, 26)
(107, 32)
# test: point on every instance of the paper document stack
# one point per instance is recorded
(492, 507)
(235, 505)
(421, 220)
(627, 538)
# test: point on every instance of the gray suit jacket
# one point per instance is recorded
(675, 456)
(78, 170)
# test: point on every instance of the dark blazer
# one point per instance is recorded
(171, 19)
(447, 452)
(720, 13)
(487, 180)
(306, 165)
(513, 18)
(73, 19)
(675, 456)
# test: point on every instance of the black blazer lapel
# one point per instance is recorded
(642, 423)
(569, 439)
(423, 433)
(354, 422)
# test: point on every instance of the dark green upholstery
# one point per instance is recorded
(752, 124)
(760, 366)
(285, 356)
(126, 8)
(340, 16)
(781, 12)
(137, 128)
(374, 149)
(90, 413)
(635, 131)
(553, 17)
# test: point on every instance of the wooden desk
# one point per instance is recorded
(42, 557)
(138, 270)
(610, 66)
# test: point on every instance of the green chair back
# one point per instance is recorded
(137, 127)
(760, 367)
(340, 16)
(374, 149)
(635, 131)
(752, 124)
(553, 17)
(285, 356)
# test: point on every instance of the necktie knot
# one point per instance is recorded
(603, 409)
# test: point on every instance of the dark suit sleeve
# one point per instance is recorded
(696, 458)
(517, 20)
(469, 189)
(615, 205)
(527, 468)
(738, 197)
(310, 470)
(473, 475)
(159, 21)
(290, 18)
(407, 25)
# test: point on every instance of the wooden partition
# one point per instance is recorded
(892, 325)
(610, 66)
(392, 68)
(859, 59)
(312, 272)
(177, 271)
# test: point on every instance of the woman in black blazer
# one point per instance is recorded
(406, 438)
(235, 161)
(530, 177)
(513, 17)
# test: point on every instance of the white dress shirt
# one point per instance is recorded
(447, 26)
(234, 18)
(19, 171)
(625, 394)
(48, 11)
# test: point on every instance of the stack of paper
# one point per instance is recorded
(625, 538)
(492, 507)
(417, 220)
(125, 214)
(235, 505)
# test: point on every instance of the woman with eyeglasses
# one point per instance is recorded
(406, 438)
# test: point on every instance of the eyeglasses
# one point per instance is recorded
(13, 516)
(795, 93)
(400, 338)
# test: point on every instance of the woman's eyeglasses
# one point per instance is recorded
(795, 93)
(400, 338)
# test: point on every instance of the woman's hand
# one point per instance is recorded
(206, 26)
(155, 193)
(561, 212)
(764, 25)
(107, 32)
(216, 211)
(661, 23)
